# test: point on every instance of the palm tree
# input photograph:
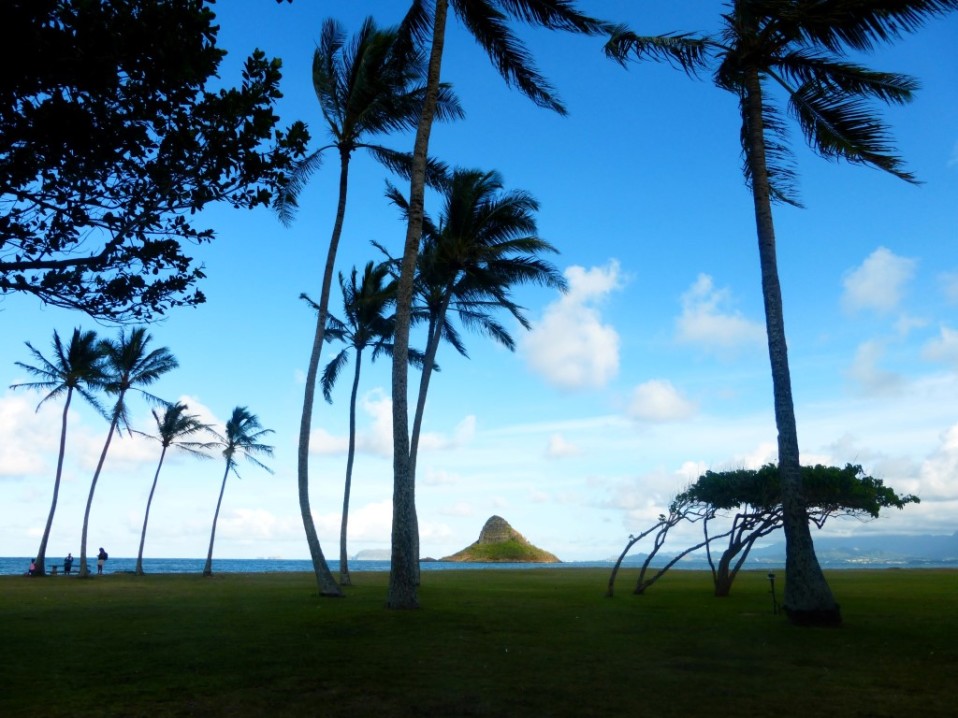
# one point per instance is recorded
(76, 367)
(488, 21)
(243, 434)
(366, 325)
(129, 365)
(172, 428)
(369, 87)
(799, 48)
(484, 244)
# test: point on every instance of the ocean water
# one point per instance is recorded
(12, 566)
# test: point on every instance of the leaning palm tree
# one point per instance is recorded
(130, 365)
(488, 21)
(76, 367)
(366, 326)
(173, 428)
(369, 87)
(798, 48)
(484, 244)
(243, 435)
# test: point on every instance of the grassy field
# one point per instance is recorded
(486, 643)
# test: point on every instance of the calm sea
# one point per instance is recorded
(12, 566)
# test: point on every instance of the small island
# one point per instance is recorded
(500, 543)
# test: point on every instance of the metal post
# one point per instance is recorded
(771, 580)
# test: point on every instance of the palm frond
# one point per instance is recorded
(287, 199)
(331, 373)
(684, 51)
(838, 126)
(509, 55)
(400, 163)
(804, 67)
(835, 24)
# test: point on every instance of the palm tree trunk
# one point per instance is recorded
(432, 348)
(208, 568)
(42, 551)
(402, 572)
(84, 569)
(808, 598)
(324, 577)
(146, 517)
(350, 455)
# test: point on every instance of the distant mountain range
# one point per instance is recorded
(848, 551)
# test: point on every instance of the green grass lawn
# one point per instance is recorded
(539, 642)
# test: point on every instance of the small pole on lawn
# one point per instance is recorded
(771, 580)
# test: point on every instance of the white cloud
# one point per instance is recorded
(944, 348)
(458, 509)
(28, 436)
(706, 321)
(938, 471)
(657, 400)
(878, 283)
(570, 346)
(376, 438)
(463, 434)
(948, 281)
(865, 372)
(439, 477)
(560, 448)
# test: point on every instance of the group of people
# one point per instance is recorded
(101, 559)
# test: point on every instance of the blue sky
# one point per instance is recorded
(650, 370)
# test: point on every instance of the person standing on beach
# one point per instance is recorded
(100, 560)
(68, 563)
(33, 567)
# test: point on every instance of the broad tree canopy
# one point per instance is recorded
(112, 137)
(828, 490)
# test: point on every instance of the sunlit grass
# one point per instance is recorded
(538, 642)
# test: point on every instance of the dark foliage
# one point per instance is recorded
(113, 135)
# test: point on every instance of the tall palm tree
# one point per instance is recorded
(484, 244)
(800, 48)
(129, 364)
(172, 429)
(366, 325)
(370, 87)
(76, 367)
(243, 436)
(488, 22)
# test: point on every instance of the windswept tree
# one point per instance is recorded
(78, 367)
(129, 365)
(116, 130)
(751, 501)
(242, 439)
(484, 243)
(173, 428)
(798, 51)
(365, 325)
(488, 22)
(371, 86)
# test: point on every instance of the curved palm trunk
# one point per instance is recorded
(808, 598)
(351, 454)
(42, 551)
(324, 578)
(404, 562)
(208, 568)
(432, 348)
(146, 517)
(84, 568)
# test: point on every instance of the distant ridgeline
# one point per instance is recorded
(499, 542)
